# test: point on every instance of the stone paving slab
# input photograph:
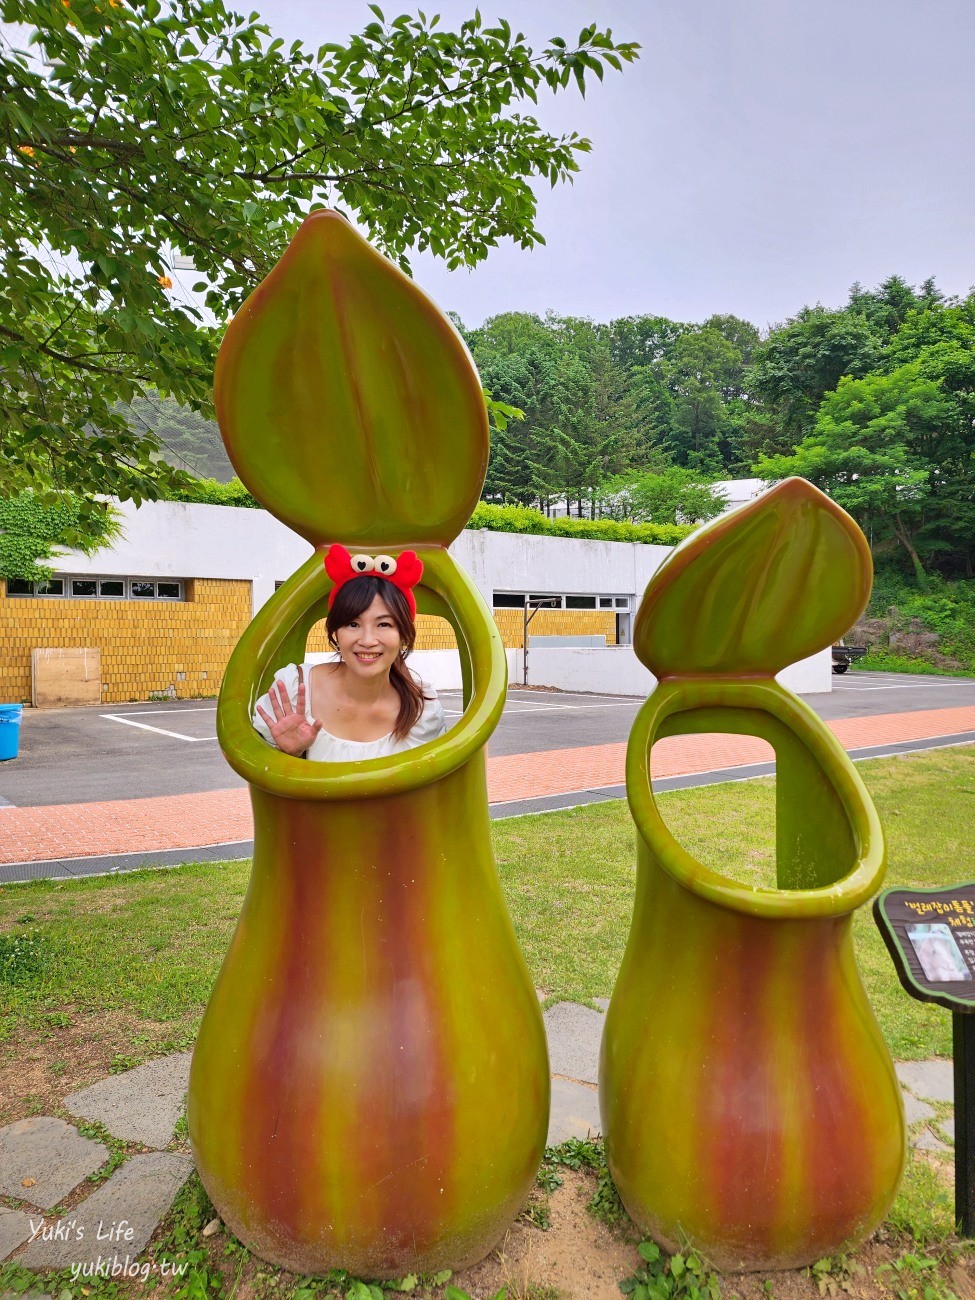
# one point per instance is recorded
(932, 1080)
(926, 1141)
(915, 1110)
(575, 1112)
(42, 1159)
(141, 1105)
(14, 1230)
(946, 1128)
(115, 1220)
(574, 1034)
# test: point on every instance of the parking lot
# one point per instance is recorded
(139, 750)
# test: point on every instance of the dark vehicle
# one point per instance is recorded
(843, 656)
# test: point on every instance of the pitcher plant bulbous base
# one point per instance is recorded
(369, 1089)
(749, 1101)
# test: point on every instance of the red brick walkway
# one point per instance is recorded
(224, 816)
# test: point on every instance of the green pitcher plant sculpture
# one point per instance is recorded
(370, 1087)
(749, 1103)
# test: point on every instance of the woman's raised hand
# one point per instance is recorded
(290, 729)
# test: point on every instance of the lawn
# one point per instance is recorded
(143, 949)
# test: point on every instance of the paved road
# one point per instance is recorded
(136, 751)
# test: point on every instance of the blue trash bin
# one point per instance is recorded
(10, 715)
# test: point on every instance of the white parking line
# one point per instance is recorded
(551, 708)
(570, 708)
(908, 686)
(161, 731)
(145, 713)
(851, 687)
(918, 683)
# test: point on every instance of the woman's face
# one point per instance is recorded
(370, 643)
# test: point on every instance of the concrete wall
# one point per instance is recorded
(179, 540)
(616, 670)
(174, 539)
(441, 668)
(522, 562)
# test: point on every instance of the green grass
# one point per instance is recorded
(878, 660)
(150, 944)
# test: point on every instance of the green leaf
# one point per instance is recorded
(756, 589)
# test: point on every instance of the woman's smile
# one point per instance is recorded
(371, 642)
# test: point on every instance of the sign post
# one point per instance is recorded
(930, 935)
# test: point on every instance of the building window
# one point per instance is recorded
(85, 588)
(518, 599)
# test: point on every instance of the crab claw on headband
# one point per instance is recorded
(403, 570)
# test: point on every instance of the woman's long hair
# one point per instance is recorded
(354, 598)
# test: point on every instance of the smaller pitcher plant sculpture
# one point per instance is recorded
(370, 1086)
(749, 1102)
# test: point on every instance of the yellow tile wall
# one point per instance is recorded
(555, 622)
(144, 645)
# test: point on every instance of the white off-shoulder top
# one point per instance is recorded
(327, 748)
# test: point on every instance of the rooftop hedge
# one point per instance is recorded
(497, 519)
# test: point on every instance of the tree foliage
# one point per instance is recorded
(896, 447)
(136, 133)
(670, 496)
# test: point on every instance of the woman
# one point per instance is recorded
(368, 704)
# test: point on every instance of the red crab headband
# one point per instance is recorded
(403, 571)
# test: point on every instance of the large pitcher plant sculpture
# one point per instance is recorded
(369, 1088)
(749, 1103)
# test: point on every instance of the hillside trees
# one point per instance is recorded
(579, 417)
(603, 400)
(799, 363)
(897, 446)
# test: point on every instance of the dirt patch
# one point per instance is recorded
(576, 1257)
(70, 1049)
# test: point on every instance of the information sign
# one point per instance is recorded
(930, 934)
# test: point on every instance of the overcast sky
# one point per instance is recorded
(761, 155)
